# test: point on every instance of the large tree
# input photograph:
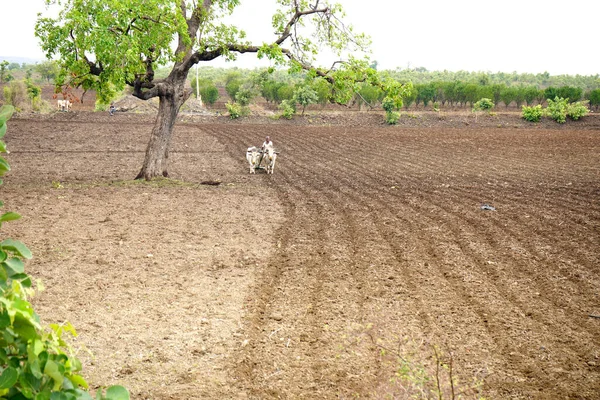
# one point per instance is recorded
(108, 44)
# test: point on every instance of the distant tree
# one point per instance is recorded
(369, 95)
(323, 90)
(410, 98)
(245, 93)
(12, 66)
(197, 85)
(594, 98)
(520, 95)
(531, 93)
(209, 93)
(3, 71)
(471, 93)
(550, 93)
(305, 96)
(285, 92)
(485, 91)
(48, 70)
(233, 82)
(574, 94)
(508, 95)
(450, 93)
(425, 94)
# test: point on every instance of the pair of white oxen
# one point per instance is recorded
(257, 156)
(64, 105)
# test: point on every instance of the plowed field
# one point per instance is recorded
(363, 264)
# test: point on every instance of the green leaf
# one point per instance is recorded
(24, 328)
(44, 395)
(13, 266)
(78, 381)
(117, 393)
(8, 378)
(2, 255)
(2, 129)
(4, 319)
(61, 396)
(17, 247)
(9, 216)
(82, 395)
(52, 370)
(4, 167)
(2, 147)
(6, 112)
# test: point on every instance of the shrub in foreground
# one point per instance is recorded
(532, 114)
(577, 110)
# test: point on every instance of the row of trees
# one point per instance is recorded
(278, 88)
(540, 80)
(462, 94)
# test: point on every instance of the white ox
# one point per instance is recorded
(253, 157)
(269, 157)
(64, 105)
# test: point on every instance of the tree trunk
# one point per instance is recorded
(157, 151)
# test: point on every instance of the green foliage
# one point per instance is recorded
(483, 105)
(594, 98)
(34, 94)
(3, 71)
(305, 95)
(369, 95)
(207, 89)
(577, 110)
(288, 109)
(508, 95)
(209, 94)
(36, 363)
(557, 109)
(234, 109)
(15, 94)
(285, 92)
(392, 118)
(245, 94)
(323, 90)
(48, 70)
(530, 94)
(532, 114)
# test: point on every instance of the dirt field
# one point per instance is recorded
(340, 276)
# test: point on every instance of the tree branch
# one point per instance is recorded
(294, 20)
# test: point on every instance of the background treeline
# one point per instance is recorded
(454, 89)
(431, 88)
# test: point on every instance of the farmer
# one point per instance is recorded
(111, 109)
(267, 144)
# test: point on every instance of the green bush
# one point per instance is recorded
(532, 114)
(577, 110)
(288, 109)
(15, 94)
(557, 109)
(392, 117)
(483, 105)
(209, 94)
(244, 95)
(36, 363)
(234, 109)
(305, 95)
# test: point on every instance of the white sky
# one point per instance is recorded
(473, 35)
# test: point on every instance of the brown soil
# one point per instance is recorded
(368, 242)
